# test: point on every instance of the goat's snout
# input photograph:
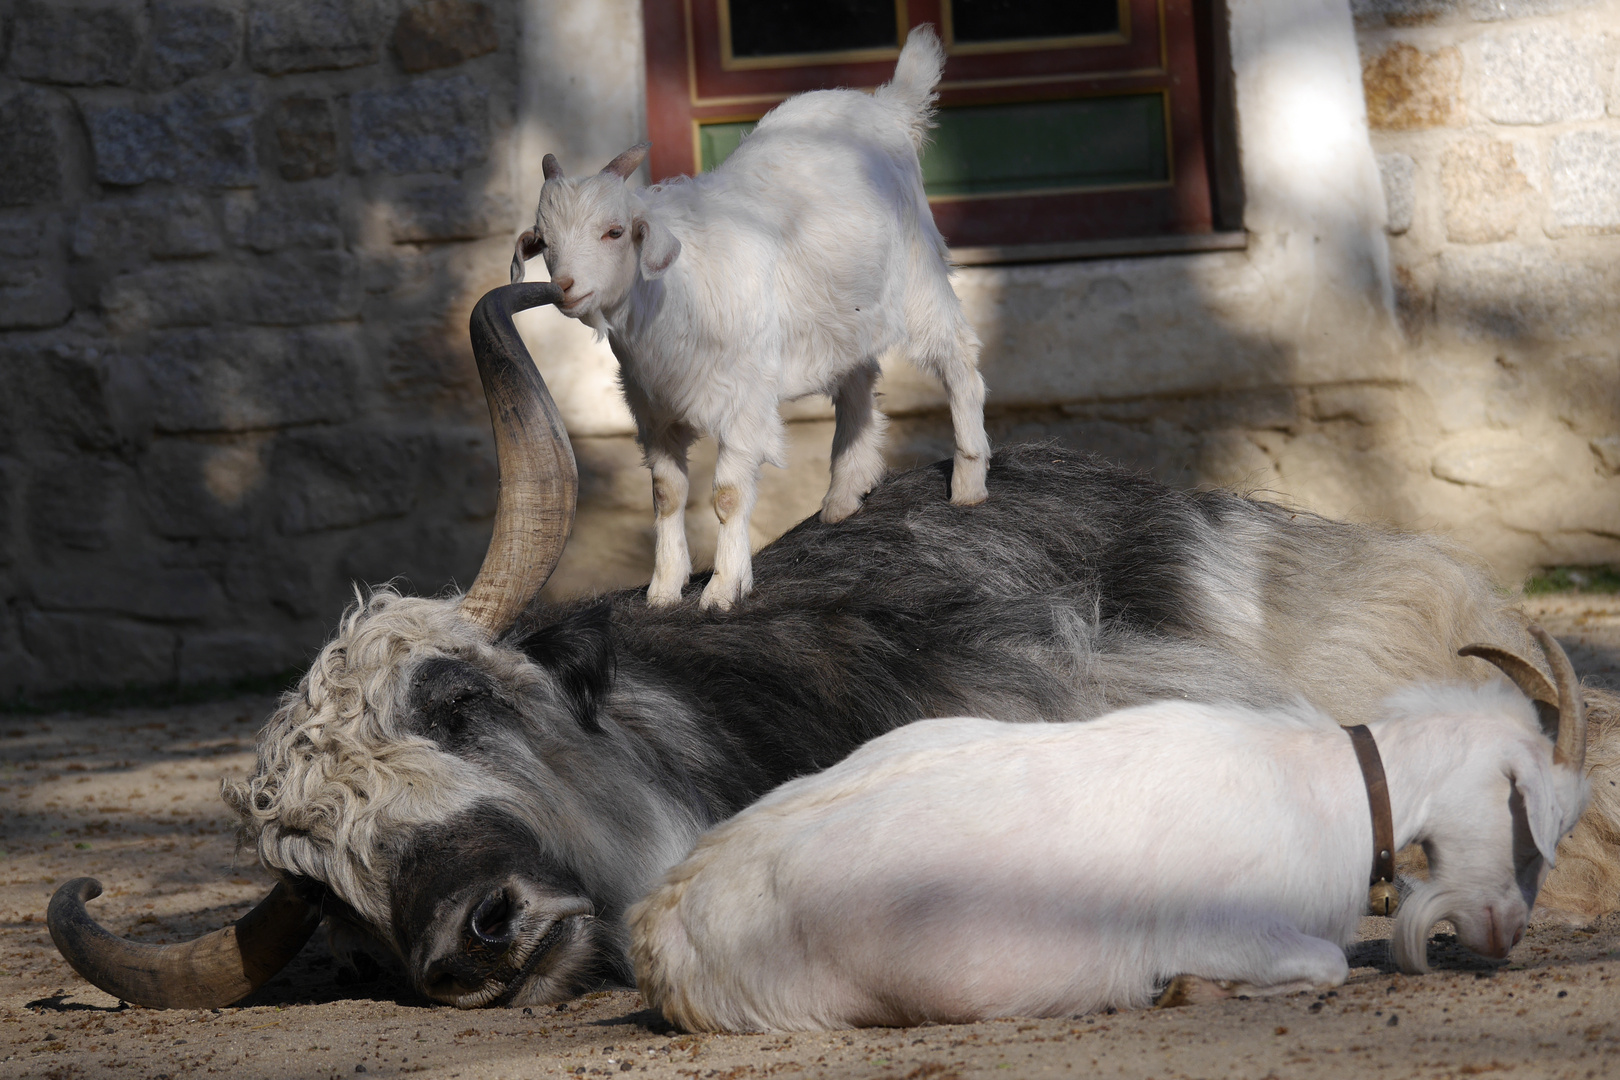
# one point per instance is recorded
(565, 283)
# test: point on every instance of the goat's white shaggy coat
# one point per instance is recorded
(955, 870)
(789, 270)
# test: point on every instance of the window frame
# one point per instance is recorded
(690, 81)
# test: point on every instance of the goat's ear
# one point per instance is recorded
(658, 246)
(578, 651)
(1537, 785)
(629, 161)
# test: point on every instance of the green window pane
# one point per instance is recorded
(762, 28)
(1014, 20)
(1031, 146)
(717, 141)
(1091, 142)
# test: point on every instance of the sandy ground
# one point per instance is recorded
(131, 796)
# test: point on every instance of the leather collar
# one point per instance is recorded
(1382, 897)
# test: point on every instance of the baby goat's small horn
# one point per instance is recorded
(1562, 708)
(1570, 748)
(629, 161)
(1525, 675)
(549, 167)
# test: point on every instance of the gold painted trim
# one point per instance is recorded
(728, 62)
(1122, 36)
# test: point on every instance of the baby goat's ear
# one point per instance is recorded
(1537, 784)
(657, 245)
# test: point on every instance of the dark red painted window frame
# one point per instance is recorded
(686, 84)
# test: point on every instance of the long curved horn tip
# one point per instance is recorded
(1569, 746)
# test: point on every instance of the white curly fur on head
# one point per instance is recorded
(338, 774)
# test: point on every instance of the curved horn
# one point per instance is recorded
(1570, 746)
(214, 970)
(629, 161)
(539, 480)
(1525, 675)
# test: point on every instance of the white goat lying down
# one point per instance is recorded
(955, 870)
(789, 270)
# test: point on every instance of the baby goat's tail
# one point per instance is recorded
(911, 92)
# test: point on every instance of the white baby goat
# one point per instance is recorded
(956, 870)
(788, 270)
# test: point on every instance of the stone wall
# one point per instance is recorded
(1495, 122)
(239, 240)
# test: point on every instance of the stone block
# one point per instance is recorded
(1587, 388)
(178, 225)
(305, 218)
(226, 655)
(65, 398)
(204, 490)
(1586, 180)
(297, 287)
(72, 501)
(33, 294)
(97, 651)
(31, 146)
(1498, 10)
(441, 211)
(1537, 75)
(76, 42)
(339, 479)
(1517, 293)
(1399, 173)
(1407, 88)
(1484, 190)
(1607, 452)
(11, 487)
(141, 591)
(306, 137)
(439, 125)
(192, 39)
(1402, 12)
(443, 33)
(245, 380)
(201, 136)
(430, 366)
(162, 295)
(276, 575)
(312, 35)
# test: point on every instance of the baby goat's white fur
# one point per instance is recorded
(960, 869)
(789, 270)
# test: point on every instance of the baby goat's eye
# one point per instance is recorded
(613, 233)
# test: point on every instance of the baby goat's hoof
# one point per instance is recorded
(1192, 990)
(719, 596)
(967, 482)
(834, 512)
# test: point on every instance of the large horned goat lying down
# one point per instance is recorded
(959, 870)
(484, 785)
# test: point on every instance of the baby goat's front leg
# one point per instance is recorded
(736, 485)
(672, 562)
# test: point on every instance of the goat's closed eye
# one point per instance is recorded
(614, 233)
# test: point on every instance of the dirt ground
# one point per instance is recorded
(131, 796)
